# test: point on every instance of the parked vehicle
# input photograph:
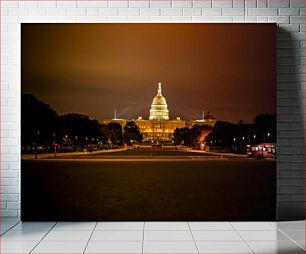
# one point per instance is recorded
(261, 151)
(154, 146)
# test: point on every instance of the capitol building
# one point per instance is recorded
(159, 126)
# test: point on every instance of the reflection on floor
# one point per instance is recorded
(152, 237)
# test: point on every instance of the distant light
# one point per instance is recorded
(254, 136)
(268, 134)
(242, 138)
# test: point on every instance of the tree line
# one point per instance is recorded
(229, 137)
(44, 129)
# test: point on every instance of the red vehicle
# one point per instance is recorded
(261, 151)
(156, 146)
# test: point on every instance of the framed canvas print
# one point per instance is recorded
(155, 122)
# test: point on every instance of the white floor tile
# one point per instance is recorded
(60, 247)
(33, 226)
(114, 247)
(17, 247)
(120, 226)
(166, 225)
(167, 236)
(273, 235)
(160, 237)
(276, 247)
(67, 236)
(169, 247)
(74, 226)
(256, 225)
(23, 236)
(98, 236)
(291, 225)
(3, 230)
(210, 226)
(216, 236)
(4, 226)
(297, 236)
(223, 247)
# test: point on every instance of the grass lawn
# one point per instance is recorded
(233, 189)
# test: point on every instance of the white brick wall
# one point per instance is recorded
(289, 14)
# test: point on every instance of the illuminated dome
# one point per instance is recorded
(159, 107)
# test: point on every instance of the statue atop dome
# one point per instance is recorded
(159, 108)
(159, 89)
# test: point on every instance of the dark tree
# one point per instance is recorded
(38, 122)
(196, 134)
(116, 133)
(104, 134)
(79, 126)
(78, 130)
(180, 136)
(265, 126)
(131, 133)
(235, 137)
(224, 135)
(191, 137)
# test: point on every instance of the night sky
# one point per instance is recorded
(229, 69)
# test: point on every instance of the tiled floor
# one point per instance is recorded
(152, 237)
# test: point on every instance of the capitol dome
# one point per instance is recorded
(159, 109)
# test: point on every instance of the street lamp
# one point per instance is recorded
(75, 143)
(268, 134)
(54, 144)
(242, 138)
(36, 146)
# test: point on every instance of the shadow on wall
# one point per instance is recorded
(290, 129)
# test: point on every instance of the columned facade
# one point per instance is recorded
(159, 127)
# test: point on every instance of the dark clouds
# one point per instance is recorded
(95, 68)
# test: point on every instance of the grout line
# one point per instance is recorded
(143, 232)
(193, 237)
(247, 243)
(42, 238)
(290, 238)
(273, 225)
(90, 236)
(10, 228)
(233, 227)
